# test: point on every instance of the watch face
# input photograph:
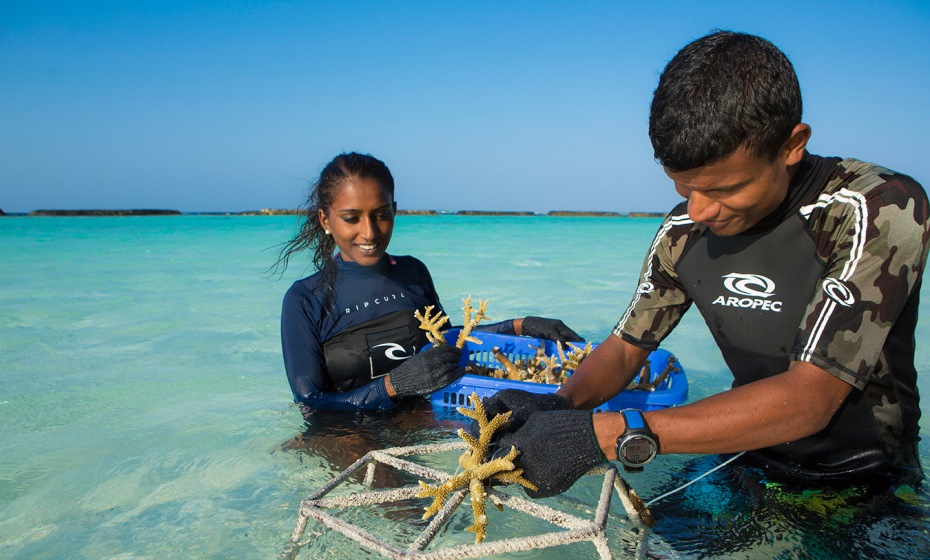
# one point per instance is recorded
(638, 450)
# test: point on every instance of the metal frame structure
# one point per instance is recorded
(578, 529)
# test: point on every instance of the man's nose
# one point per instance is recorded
(700, 207)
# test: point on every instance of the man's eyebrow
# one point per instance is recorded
(724, 188)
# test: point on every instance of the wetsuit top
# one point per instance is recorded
(832, 277)
(336, 351)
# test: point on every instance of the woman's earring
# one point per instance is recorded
(326, 231)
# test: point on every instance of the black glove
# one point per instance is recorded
(521, 404)
(550, 329)
(556, 448)
(428, 371)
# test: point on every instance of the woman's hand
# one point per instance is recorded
(427, 372)
(550, 329)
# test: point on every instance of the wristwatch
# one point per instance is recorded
(637, 445)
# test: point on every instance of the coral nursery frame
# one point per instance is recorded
(578, 530)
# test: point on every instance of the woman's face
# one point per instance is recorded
(361, 220)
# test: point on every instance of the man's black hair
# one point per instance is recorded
(721, 92)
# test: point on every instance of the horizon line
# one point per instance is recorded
(289, 211)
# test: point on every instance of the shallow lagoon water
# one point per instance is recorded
(144, 411)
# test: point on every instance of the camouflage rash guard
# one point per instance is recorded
(832, 277)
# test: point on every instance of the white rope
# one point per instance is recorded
(685, 485)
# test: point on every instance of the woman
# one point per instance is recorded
(348, 332)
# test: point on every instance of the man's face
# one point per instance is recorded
(735, 193)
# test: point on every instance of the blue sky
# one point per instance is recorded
(231, 106)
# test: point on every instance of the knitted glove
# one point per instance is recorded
(556, 448)
(521, 404)
(428, 371)
(550, 329)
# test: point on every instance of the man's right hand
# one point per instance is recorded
(557, 447)
(521, 404)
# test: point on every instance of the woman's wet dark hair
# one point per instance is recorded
(721, 92)
(311, 235)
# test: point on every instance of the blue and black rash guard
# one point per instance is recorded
(337, 357)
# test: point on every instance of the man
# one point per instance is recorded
(807, 271)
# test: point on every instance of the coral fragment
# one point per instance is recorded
(477, 471)
(432, 324)
(471, 322)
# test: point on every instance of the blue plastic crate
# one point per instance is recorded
(672, 391)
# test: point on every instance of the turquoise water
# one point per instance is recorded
(144, 411)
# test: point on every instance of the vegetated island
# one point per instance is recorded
(493, 213)
(584, 213)
(408, 212)
(647, 215)
(269, 212)
(140, 212)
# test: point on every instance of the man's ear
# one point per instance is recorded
(796, 144)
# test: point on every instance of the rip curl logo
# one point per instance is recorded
(755, 290)
(838, 292)
(362, 305)
(393, 351)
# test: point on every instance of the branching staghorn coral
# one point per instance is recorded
(554, 369)
(510, 370)
(471, 322)
(569, 362)
(642, 382)
(432, 324)
(477, 471)
(539, 368)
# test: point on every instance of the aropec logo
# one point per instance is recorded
(744, 285)
(393, 351)
(754, 289)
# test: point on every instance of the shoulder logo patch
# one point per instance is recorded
(645, 288)
(838, 292)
